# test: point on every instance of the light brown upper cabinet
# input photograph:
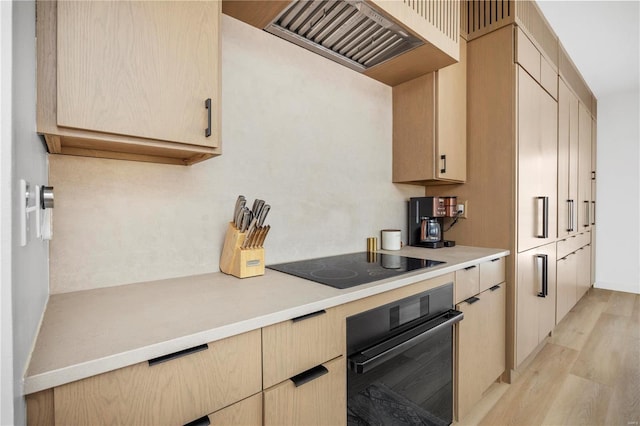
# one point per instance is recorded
(430, 126)
(537, 164)
(130, 80)
(433, 24)
(584, 168)
(567, 161)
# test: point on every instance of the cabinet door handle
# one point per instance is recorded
(570, 221)
(495, 287)
(468, 268)
(593, 216)
(207, 105)
(307, 316)
(545, 275)
(169, 357)
(202, 421)
(472, 300)
(496, 259)
(545, 218)
(593, 175)
(586, 211)
(444, 164)
(309, 375)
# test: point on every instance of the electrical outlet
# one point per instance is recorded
(464, 207)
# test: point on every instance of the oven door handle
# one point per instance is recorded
(370, 358)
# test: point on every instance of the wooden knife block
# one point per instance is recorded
(238, 262)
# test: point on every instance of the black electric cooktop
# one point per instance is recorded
(349, 270)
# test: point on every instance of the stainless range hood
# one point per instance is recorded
(349, 32)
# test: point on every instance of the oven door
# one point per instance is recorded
(406, 379)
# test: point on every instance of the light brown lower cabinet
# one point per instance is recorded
(175, 389)
(480, 346)
(315, 397)
(583, 278)
(567, 288)
(247, 412)
(536, 298)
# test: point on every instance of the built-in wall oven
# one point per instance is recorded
(400, 361)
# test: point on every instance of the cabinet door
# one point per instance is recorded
(537, 164)
(451, 148)
(141, 69)
(567, 160)
(583, 276)
(480, 346)
(536, 298)
(321, 401)
(566, 285)
(584, 168)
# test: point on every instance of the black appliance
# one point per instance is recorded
(426, 221)
(400, 361)
(349, 270)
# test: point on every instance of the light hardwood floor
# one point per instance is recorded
(588, 372)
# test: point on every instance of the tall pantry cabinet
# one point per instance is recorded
(523, 164)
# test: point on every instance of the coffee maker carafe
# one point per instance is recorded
(426, 221)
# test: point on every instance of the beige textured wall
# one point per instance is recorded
(309, 136)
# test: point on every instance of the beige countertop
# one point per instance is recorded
(91, 332)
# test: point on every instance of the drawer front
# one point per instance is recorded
(320, 401)
(247, 412)
(492, 273)
(294, 346)
(573, 243)
(173, 391)
(467, 283)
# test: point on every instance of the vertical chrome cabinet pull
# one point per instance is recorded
(207, 105)
(570, 221)
(545, 217)
(545, 275)
(586, 214)
(444, 164)
(593, 216)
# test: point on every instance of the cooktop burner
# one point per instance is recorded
(350, 270)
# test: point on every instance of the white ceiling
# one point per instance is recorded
(603, 39)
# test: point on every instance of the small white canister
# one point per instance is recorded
(391, 239)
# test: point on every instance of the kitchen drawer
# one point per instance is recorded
(492, 273)
(294, 346)
(169, 390)
(247, 412)
(319, 401)
(467, 283)
(573, 243)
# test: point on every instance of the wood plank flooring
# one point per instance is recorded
(588, 373)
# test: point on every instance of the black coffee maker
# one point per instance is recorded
(426, 222)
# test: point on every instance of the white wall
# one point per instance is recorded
(618, 192)
(29, 276)
(311, 137)
(6, 329)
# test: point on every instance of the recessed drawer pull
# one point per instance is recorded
(178, 354)
(468, 268)
(472, 300)
(495, 287)
(311, 315)
(202, 421)
(496, 259)
(309, 375)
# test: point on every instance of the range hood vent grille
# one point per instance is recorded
(347, 31)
